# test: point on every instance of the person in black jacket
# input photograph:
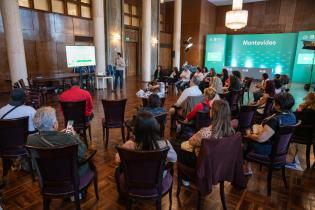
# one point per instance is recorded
(159, 74)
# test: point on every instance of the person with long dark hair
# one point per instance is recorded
(224, 76)
(147, 137)
(269, 92)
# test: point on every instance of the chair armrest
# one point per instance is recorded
(88, 156)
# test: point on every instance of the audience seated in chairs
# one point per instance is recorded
(46, 122)
(159, 74)
(269, 92)
(74, 94)
(303, 137)
(154, 87)
(221, 126)
(183, 79)
(259, 138)
(16, 108)
(260, 87)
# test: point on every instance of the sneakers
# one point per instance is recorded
(294, 166)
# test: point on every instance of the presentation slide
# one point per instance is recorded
(303, 58)
(80, 56)
(215, 51)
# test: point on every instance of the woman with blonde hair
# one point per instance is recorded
(309, 102)
(221, 126)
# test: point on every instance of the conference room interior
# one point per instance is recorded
(48, 46)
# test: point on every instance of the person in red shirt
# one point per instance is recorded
(75, 93)
(210, 95)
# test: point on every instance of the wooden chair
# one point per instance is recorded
(142, 176)
(13, 134)
(57, 168)
(277, 159)
(114, 112)
(145, 102)
(212, 151)
(246, 117)
(76, 111)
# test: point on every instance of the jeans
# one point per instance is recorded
(119, 74)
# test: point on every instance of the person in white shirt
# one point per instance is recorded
(16, 109)
(120, 68)
(183, 79)
(199, 74)
(193, 90)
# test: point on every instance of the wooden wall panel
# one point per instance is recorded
(272, 16)
(166, 46)
(45, 37)
(197, 25)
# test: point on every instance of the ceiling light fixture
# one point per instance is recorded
(236, 18)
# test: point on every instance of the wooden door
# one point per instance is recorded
(131, 58)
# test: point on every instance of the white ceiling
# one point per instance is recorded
(229, 2)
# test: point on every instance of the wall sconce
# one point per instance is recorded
(154, 41)
(116, 37)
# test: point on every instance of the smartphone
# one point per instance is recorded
(69, 126)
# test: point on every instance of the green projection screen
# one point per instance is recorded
(303, 58)
(276, 51)
(215, 51)
(282, 53)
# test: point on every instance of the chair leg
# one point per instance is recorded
(170, 195)
(85, 138)
(129, 204)
(104, 136)
(123, 134)
(77, 201)
(222, 195)
(248, 97)
(179, 185)
(158, 204)
(90, 133)
(284, 178)
(6, 163)
(46, 202)
(96, 187)
(269, 179)
(308, 154)
(199, 201)
(31, 168)
(107, 137)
